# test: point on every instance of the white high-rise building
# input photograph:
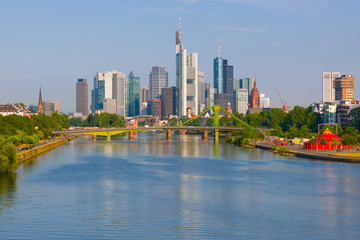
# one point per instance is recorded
(241, 100)
(109, 85)
(328, 90)
(264, 101)
(201, 91)
(186, 79)
(119, 92)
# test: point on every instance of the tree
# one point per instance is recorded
(4, 161)
(323, 141)
(313, 140)
(210, 122)
(354, 118)
(9, 152)
(348, 140)
(224, 121)
(335, 142)
(293, 132)
(304, 132)
(254, 119)
(351, 131)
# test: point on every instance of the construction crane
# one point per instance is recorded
(285, 108)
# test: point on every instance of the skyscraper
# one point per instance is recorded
(201, 91)
(144, 97)
(109, 85)
(132, 95)
(154, 107)
(186, 78)
(167, 105)
(344, 88)
(223, 75)
(158, 79)
(328, 85)
(247, 83)
(119, 92)
(82, 97)
(241, 100)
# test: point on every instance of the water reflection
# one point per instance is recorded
(7, 189)
(185, 188)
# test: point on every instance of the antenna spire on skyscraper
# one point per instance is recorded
(218, 49)
(179, 29)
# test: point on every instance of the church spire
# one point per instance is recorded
(40, 104)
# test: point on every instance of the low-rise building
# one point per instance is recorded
(14, 108)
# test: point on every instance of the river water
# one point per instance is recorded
(181, 189)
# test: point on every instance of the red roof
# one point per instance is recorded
(328, 135)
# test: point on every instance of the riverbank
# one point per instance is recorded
(316, 155)
(36, 151)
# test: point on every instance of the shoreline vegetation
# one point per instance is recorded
(19, 132)
(23, 137)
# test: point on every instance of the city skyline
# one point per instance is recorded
(273, 40)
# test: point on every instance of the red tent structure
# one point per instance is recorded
(329, 136)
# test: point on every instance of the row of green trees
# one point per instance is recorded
(99, 120)
(17, 130)
(300, 122)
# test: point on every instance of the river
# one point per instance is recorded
(186, 188)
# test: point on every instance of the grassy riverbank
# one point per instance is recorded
(36, 151)
(318, 155)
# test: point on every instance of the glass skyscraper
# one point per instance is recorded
(132, 95)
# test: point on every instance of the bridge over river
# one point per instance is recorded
(108, 132)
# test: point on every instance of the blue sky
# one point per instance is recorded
(287, 43)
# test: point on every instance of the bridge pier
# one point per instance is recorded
(205, 135)
(216, 139)
(168, 134)
(108, 137)
(182, 132)
(94, 137)
(131, 135)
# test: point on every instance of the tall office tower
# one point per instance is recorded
(328, 80)
(254, 97)
(223, 75)
(229, 78)
(344, 88)
(82, 97)
(207, 95)
(40, 108)
(192, 83)
(50, 107)
(219, 81)
(132, 95)
(213, 92)
(158, 79)
(174, 100)
(109, 85)
(236, 84)
(154, 107)
(222, 99)
(144, 97)
(247, 83)
(110, 105)
(186, 78)
(241, 100)
(167, 104)
(201, 91)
